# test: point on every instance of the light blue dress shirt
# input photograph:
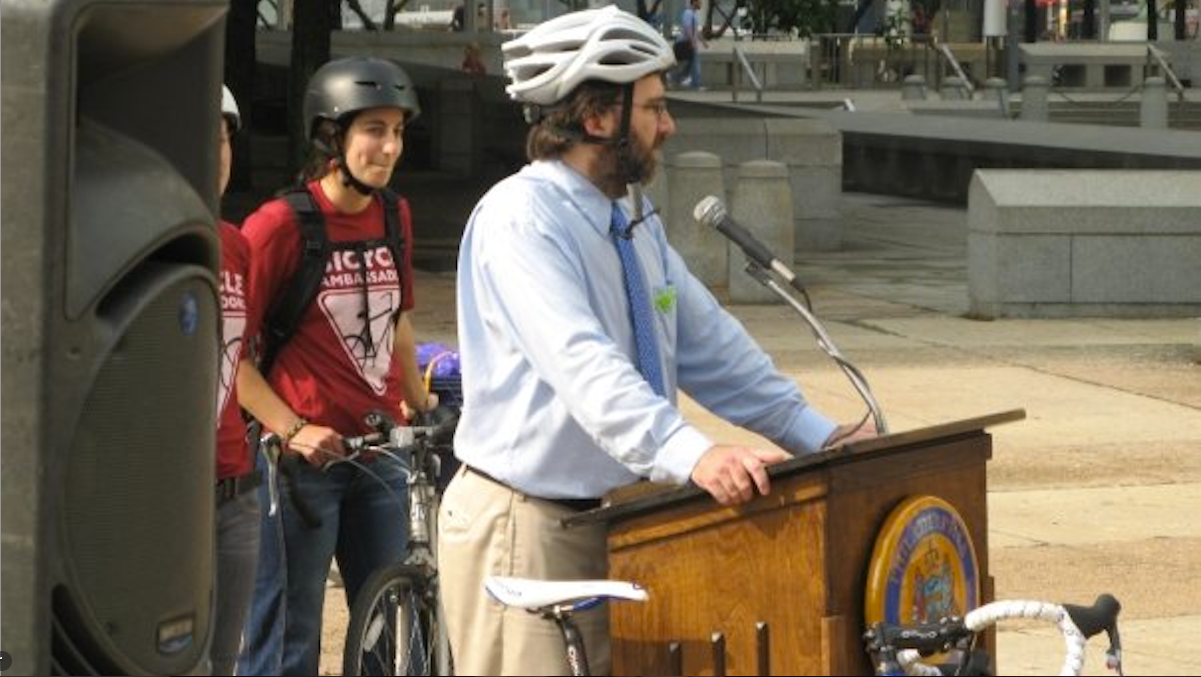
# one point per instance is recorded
(554, 404)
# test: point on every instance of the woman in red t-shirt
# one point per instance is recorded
(352, 352)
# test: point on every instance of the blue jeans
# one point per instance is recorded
(363, 516)
(694, 70)
(237, 555)
(263, 641)
(688, 71)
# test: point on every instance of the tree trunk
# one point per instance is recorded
(1088, 24)
(390, 10)
(357, 8)
(860, 11)
(240, 74)
(312, 22)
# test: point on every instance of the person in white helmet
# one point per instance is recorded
(237, 479)
(565, 398)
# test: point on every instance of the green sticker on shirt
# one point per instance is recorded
(665, 299)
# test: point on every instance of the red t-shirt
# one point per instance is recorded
(237, 326)
(336, 367)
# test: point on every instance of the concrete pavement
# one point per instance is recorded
(1097, 490)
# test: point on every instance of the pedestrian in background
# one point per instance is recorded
(688, 46)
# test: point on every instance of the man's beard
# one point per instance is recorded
(631, 162)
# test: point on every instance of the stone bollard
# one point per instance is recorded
(953, 89)
(1034, 99)
(913, 88)
(763, 205)
(997, 91)
(1153, 114)
(812, 151)
(734, 140)
(691, 177)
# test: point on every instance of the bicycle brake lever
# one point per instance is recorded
(1102, 615)
(353, 446)
(380, 421)
(355, 452)
(1113, 655)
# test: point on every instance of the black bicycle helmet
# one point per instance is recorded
(349, 85)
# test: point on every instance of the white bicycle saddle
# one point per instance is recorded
(530, 593)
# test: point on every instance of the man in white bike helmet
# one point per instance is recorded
(571, 73)
(578, 327)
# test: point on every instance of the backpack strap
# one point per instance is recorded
(393, 232)
(285, 313)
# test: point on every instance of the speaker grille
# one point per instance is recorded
(138, 494)
(71, 652)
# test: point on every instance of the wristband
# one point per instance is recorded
(295, 429)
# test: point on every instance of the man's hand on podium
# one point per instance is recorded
(852, 432)
(731, 474)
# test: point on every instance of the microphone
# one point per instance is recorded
(711, 212)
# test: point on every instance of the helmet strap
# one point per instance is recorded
(350, 180)
(535, 113)
(627, 112)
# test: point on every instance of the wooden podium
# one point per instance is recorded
(776, 586)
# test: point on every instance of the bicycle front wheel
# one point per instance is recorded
(395, 627)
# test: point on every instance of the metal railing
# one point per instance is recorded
(736, 77)
(947, 54)
(866, 60)
(1155, 55)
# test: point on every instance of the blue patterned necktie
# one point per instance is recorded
(643, 318)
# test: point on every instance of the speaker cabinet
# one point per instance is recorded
(110, 333)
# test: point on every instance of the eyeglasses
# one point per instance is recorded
(658, 108)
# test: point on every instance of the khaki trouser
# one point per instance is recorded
(486, 528)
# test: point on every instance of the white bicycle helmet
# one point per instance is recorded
(229, 109)
(607, 44)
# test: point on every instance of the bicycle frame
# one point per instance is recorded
(378, 634)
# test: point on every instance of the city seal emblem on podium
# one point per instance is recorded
(923, 566)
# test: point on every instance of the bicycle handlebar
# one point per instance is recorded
(903, 645)
(392, 438)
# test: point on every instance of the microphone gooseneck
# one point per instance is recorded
(711, 212)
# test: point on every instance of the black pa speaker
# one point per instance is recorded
(110, 333)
